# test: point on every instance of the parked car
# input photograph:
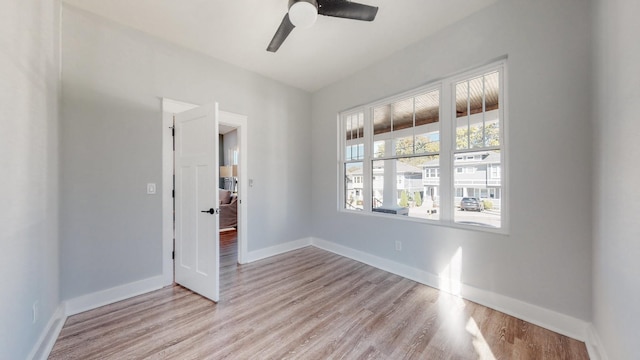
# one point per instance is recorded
(471, 204)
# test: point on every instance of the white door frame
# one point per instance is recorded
(170, 107)
(240, 123)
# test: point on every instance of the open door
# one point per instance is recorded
(196, 201)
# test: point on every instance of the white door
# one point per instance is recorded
(196, 200)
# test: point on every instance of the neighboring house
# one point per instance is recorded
(354, 196)
(408, 178)
(476, 175)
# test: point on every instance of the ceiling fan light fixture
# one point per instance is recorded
(303, 14)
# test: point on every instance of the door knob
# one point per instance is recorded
(210, 211)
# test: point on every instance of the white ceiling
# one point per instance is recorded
(238, 32)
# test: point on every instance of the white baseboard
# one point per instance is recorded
(49, 335)
(594, 345)
(109, 296)
(277, 249)
(393, 267)
(548, 319)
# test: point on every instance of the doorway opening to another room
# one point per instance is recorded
(233, 157)
(228, 182)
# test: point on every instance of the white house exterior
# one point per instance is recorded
(475, 175)
(408, 178)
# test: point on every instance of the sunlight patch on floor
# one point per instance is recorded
(479, 343)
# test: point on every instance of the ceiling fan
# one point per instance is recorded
(303, 14)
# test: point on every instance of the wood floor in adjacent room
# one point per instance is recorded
(306, 304)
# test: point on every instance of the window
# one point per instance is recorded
(417, 155)
(354, 137)
(431, 172)
(495, 171)
(406, 140)
(353, 161)
(478, 140)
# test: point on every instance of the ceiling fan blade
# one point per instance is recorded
(281, 34)
(347, 9)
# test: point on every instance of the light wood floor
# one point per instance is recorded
(306, 304)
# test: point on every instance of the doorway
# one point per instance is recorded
(228, 119)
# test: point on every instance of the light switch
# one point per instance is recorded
(151, 188)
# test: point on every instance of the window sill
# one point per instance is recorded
(449, 224)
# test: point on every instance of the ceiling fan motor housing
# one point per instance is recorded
(303, 13)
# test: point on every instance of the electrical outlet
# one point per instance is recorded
(35, 310)
(398, 245)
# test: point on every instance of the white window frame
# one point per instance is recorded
(366, 167)
(447, 153)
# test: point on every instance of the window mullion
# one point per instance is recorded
(484, 112)
(447, 144)
(342, 143)
(367, 187)
(413, 128)
(503, 144)
(468, 114)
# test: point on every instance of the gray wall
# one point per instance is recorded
(545, 259)
(227, 141)
(230, 141)
(616, 247)
(113, 79)
(29, 83)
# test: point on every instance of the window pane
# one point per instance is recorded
(407, 186)
(462, 120)
(349, 126)
(382, 120)
(360, 125)
(492, 125)
(402, 114)
(354, 136)
(353, 186)
(354, 152)
(379, 149)
(404, 146)
(427, 118)
(428, 206)
(427, 108)
(477, 104)
(412, 124)
(354, 126)
(478, 188)
(427, 143)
